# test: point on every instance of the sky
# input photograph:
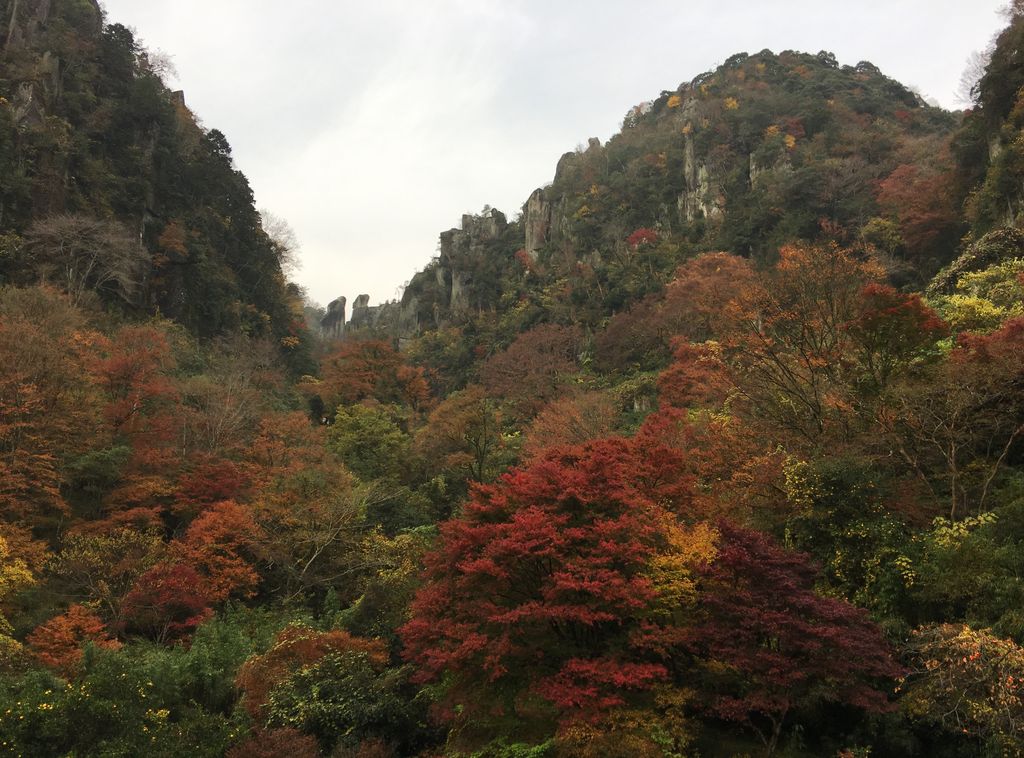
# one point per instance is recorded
(371, 127)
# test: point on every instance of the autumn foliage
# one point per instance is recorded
(542, 586)
(770, 644)
(293, 648)
(58, 643)
(698, 472)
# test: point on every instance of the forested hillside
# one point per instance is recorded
(715, 449)
(108, 183)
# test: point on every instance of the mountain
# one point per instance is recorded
(716, 448)
(94, 147)
(764, 150)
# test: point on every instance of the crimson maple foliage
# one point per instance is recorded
(167, 603)
(770, 644)
(212, 480)
(541, 587)
(132, 371)
(889, 329)
(697, 376)
(642, 236)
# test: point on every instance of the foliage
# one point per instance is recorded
(345, 697)
(541, 589)
(360, 370)
(534, 369)
(967, 682)
(571, 421)
(201, 556)
(772, 645)
(293, 650)
(58, 643)
(369, 442)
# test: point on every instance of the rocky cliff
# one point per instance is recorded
(766, 149)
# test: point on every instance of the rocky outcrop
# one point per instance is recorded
(362, 316)
(36, 96)
(762, 168)
(24, 23)
(699, 198)
(536, 223)
(28, 18)
(461, 249)
(393, 319)
(332, 325)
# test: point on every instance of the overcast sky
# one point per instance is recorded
(373, 126)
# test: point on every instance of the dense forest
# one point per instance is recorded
(716, 448)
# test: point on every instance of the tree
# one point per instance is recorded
(217, 545)
(167, 603)
(369, 442)
(104, 568)
(571, 421)
(697, 376)
(133, 370)
(293, 649)
(638, 336)
(923, 201)
(212, 480)
(48, 405)
(359, 370)
(15, 576)
(545, 596)
(700, 290)
(691, 306)
(957, 424)
(533, 370)
(346, 698)
(274, 743)
(787, 339)
(284, 241)
(222, 407)
(889, 330)
(312, 523)
(463, 434)
(642, 237)
(80, 254)
(969, 683)
(770, 645)
(58, 643)
(985, 299)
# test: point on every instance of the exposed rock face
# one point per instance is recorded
(361, 313)
(460, 249)
(698, 200)
(392, 319)
(333, 323)
(759, 170)
(21, 29)
(536, 222)
(36, 96)
(27, 17)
